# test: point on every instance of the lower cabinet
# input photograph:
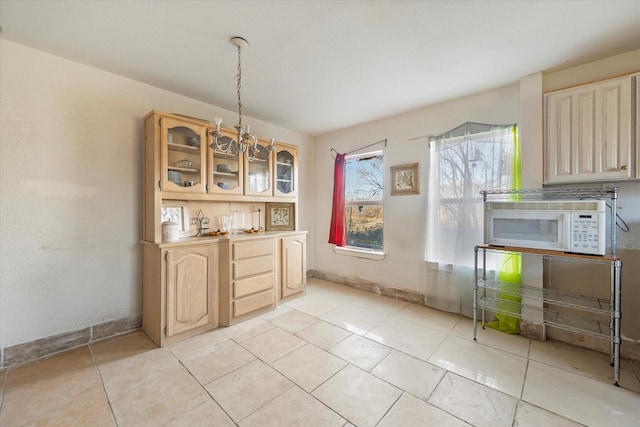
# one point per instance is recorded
(247, 278)
(180, 287)
(293, 265)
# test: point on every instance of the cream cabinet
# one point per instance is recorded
(180, 290)
(226, 166)
(588, 133)
(247, 277)
(179, 164)
(183, 156)
(293, 265)
(285, 161)
(259, 171)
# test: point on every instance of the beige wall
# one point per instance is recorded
(404, 216)
(70, 180)
(404, 234)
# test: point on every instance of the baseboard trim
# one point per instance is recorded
(408, 295)
(33, 350)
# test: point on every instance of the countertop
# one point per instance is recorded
(212, 239)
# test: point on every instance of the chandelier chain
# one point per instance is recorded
(239, 77)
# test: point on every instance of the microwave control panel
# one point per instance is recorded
(587, 232)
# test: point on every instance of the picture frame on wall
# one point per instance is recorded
(405, 179)
(280, 216)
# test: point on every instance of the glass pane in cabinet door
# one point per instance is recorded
(226, 163)
(183, 157)
(258, 174)
(284, 172)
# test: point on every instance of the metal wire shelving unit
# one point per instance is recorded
(582, 314)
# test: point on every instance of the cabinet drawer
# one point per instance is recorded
(252, 285)
(242, 269)
(253, 303)
(254, 248)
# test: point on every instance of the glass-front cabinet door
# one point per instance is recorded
(226, 165)
(258, 171)
(286, 171)
(183, 157)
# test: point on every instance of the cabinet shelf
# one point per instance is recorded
(185, 170)
(220, 155)
(231, 174)
(183, 148)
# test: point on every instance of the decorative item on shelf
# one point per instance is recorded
(224, 167)
(246, 143)
(280, 216)
(405, 179)
(237, 222)
(194, 141)
(184, 163)
(176, 212)
(223, 185)
(170, 231)
(224, 223)
(175, 177)
(200, 221)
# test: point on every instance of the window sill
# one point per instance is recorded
(359, 253)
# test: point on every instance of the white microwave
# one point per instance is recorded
(576, 226)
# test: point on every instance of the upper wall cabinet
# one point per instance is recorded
(286, 171)
(258, 171)
(227, 166)
(180, 164)
(589, 133)
(183, 156)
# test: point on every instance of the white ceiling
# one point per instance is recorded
(317, 66)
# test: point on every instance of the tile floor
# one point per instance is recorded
(337, 356)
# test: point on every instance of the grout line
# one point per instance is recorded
(106, 395)
(5, 374)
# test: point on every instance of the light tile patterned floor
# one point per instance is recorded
(337, 356)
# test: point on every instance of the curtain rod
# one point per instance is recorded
(358, 149)
(428, 137)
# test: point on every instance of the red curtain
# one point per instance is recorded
(338, 230)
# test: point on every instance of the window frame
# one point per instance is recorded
(358, 251)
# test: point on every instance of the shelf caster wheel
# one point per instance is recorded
(474, 338)
(616, 384)
(482, 327)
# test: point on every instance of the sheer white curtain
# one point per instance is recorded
(463, 161)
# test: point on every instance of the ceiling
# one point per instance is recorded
(318, 66)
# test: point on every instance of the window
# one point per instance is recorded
(468, 159)
(363, 200)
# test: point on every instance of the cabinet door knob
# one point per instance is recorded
(623, 167)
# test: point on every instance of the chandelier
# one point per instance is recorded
(245, 143)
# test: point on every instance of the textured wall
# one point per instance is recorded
(70, 180)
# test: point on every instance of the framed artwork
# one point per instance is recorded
(405, 179)
(280, 216)
(178, 213)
